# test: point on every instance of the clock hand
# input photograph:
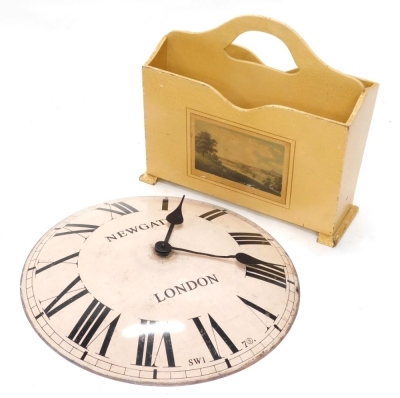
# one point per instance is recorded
(174, 218)
(241, 257)
(163, 248)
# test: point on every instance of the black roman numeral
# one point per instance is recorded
(246, 238)
(267, 272)
(82, 228)
(210, 215)
(258, 308)
(90, 322)
(213, 351)
(51, 309)
(145, 348)
(61, 260)
(165, 202)
(120, 208)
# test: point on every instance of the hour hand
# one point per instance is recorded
(162, 247)
(176, 217)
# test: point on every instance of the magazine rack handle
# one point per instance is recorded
(301, 52)
(302, 55)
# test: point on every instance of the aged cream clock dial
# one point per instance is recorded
(160, 291)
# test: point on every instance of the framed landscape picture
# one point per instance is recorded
(239, 158)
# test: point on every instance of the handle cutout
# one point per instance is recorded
(269, 50)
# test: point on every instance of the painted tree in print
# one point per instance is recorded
(205, 144)
(246, 159)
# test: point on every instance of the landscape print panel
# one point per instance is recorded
(239, 158)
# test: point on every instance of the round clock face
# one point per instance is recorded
(156, 290)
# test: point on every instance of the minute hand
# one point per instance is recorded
(241, 257)
(255, 268)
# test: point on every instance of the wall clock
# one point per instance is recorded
(160, 291)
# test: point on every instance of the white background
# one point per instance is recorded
(71, 128)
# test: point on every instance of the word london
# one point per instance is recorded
(186, 287)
